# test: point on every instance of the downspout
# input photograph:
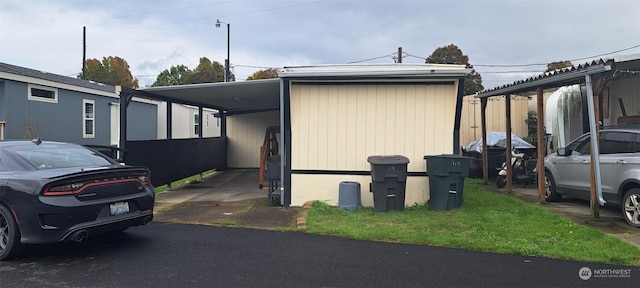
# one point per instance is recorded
(456, 124)
(594, 140)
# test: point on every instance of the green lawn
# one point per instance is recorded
(163, 188)
(486, 221)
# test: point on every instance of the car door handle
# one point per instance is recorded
(621, 162)
(585, 161)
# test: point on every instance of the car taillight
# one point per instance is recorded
(144, 179)
(77, 187)
(65, 189)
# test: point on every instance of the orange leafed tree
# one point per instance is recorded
(111, 70)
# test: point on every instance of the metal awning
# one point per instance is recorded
(230, 97)
(562, 77)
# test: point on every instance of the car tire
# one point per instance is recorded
(501, 180)
(631, 207)
(550, 188)
(9, 235)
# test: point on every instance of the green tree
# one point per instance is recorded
(111, 71)
(558, 65)
(176, 75)
(207, 72)
(264, 74)
(451, 54)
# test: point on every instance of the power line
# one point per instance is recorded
(536, 64)
(374, 58)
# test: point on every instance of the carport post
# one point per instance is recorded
(124, 98)
(541, 152)
(507, 152)
(483, 123)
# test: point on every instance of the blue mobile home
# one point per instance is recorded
(35, 104)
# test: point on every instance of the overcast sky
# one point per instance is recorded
(153, 35)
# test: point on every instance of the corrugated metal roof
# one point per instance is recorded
(22, 71)
(561, 77)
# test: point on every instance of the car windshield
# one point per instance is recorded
(52, 156)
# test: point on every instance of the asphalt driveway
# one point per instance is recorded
(179, 255)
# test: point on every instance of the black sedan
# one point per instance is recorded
(53, 192)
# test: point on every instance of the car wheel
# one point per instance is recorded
(631, 207)
(550, 188)
(501, 180)
(9, 234)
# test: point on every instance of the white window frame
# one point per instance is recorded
(85, 118)
(42, 99)
(196, 123)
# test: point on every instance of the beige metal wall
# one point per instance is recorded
(246, 135)
(495, 114)
(629, 90)
(336, 127)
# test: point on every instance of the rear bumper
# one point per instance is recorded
(56, 219)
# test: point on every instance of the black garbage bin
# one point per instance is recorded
(446, 180)
(389, 181)
(273, 176)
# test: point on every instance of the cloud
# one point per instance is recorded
(153, 36)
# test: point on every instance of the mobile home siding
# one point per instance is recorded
(335, 128)
(471, 117)
(628, 90)
(62, 121)
(245, 134)
(142, 121)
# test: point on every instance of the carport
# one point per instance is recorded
(595, 76)
(173, 159)
(330, 109)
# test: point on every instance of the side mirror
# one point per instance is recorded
(563, 152)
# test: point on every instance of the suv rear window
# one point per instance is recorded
(617, 142)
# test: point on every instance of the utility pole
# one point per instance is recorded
(399, 55)
(84, 52)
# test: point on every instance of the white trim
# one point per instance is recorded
(42, 99)
(52, 84)
(85, 118)
(380, 70)
(195, 121)
(32, 80)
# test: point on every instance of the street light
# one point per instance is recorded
(226, 61)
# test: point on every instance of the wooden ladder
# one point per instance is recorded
(269, 148)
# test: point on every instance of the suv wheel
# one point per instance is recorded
(631, 207)
(550, 188)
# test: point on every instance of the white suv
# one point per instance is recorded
(567, 171)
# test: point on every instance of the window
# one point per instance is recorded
(43, 93)
(88, 124)
(616, 142)
(196, 124)
(582, 146)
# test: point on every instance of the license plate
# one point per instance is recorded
(119, 208)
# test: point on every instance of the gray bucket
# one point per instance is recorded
(349, 196)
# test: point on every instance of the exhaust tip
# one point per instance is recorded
(146, 220)
(79, 236)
